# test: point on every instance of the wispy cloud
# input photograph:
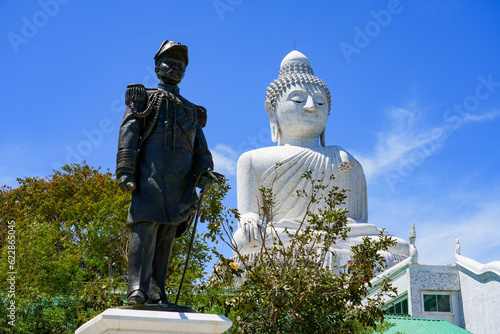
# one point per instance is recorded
(478, 234)
(468, 210)
(404, 134)
(485, 117)
(408, 141)
(225, 159)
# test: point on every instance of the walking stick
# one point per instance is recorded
(217, 177)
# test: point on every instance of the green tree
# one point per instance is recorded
(71, 249)
(286, 288)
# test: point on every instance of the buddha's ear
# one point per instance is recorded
(271, 113)
(269, 110)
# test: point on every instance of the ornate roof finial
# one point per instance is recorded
(413, 235)
(457, 247)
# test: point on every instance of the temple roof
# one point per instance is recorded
(422, 326)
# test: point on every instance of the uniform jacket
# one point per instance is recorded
(166, 151)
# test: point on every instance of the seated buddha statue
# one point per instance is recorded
(298, 106)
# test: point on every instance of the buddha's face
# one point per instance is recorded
(302, 111)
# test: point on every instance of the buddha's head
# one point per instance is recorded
(297, 102)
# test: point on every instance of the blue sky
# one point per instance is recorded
(415, 94)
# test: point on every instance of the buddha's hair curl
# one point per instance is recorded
(293, 74)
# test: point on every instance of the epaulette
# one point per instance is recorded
(135, 93)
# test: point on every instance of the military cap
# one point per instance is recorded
(174, 48)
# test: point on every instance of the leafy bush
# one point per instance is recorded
(71, 249)
(286, 287)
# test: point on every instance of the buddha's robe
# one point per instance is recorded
(258, 168)
(287, 177)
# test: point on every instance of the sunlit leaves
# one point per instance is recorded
(72, 244)
(286, 288)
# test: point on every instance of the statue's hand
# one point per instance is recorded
(204, 182)
(207, 178)
(251, 226)
(127, 182)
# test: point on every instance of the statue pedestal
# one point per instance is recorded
(126, 321)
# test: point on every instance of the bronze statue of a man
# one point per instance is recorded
(162, 156)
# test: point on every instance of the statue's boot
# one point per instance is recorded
(137, 297)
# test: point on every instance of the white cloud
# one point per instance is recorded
(487, 116)
(408, 142)
(466, 212)
(406, 135)
(478, 234)
(225, 159)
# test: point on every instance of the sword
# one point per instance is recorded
(214, 176)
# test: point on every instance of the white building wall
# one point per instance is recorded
(434, 280)
(474, 291)
(481, 301)
(401, 282)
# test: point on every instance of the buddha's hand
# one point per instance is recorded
(251, 226)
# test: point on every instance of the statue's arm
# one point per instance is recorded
(248, 188)
(248, 196)
(357, 196)
(203, 160)
(126, 159)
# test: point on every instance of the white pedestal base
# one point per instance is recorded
(124, 321)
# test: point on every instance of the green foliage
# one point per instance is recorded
(71, 250)
(287, 287)
(44, 315)
(71, 261)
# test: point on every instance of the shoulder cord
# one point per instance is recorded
(154, 104)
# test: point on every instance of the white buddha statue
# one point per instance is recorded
(298, 105)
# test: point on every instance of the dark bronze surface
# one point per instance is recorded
(161, 152)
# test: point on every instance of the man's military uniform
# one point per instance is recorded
(162, 144)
